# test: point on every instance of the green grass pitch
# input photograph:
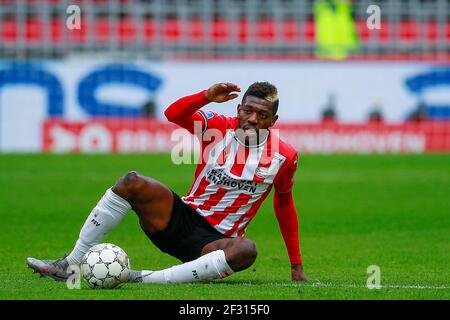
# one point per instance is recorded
(354, 211)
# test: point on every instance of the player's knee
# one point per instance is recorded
(242, 254)
(130, 178)
(129, 184)
(249, 251)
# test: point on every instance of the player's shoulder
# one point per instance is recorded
(208, 115)
(219, 121)
(286, 149)
(211, 115)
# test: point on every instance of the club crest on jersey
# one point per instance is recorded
(279, 157)
(261, 172)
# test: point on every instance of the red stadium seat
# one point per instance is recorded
(291, 31)
(220, 30)
(8, 31)
(242, 30)
(265, 31)
(195, 32)
(409, 31)
(171, 30)
(127, 31)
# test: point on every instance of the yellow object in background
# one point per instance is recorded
(335, 29)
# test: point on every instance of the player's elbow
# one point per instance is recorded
(169, 116)
(283, 197)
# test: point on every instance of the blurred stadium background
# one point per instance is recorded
(347, 82)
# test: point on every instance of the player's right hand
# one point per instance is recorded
(297, 273)
(222, 92)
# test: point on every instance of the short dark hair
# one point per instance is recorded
(266, 91)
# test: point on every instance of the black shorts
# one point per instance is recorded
(186, 234)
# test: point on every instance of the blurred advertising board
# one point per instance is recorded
(117, 135)
(79, 92)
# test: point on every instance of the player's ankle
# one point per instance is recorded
(135, 276)
(72, 260)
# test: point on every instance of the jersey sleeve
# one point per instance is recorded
(184, 112)
(213, 120)
(285, 179)
(288, 222)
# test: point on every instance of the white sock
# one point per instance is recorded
(106, 215)
(207, 267)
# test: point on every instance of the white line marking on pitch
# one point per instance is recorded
(380, 287)
(331, 285)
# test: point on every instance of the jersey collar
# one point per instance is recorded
(243, 144)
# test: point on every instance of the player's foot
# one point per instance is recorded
(56, 269)
(138, 276)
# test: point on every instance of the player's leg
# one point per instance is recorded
(107, 214)
(150, 199)
(206, 253)
(218, 259)
(240, 252)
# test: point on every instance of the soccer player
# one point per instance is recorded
(242, 158)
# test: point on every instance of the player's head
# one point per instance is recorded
(259, 106)
(258, 109)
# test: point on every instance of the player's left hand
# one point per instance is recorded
(297, 273)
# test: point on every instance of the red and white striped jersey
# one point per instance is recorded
(233, 180)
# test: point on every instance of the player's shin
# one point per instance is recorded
(106, 215)
(207, 267)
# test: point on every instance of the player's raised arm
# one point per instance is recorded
(184, 111)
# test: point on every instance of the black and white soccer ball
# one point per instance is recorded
(105, 266)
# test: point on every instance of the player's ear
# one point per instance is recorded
(238, 108)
